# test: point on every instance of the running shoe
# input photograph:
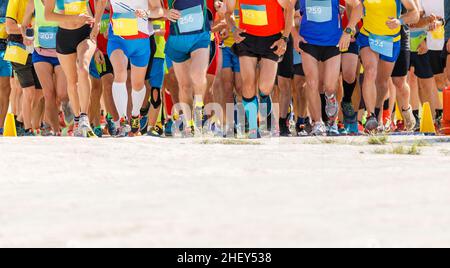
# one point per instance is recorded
(333, 129)
(342, 130)
(168, 128)
(123, 129)
(135, 124)
(98, 131)
(144, 124)
(1, 131)
(29, 133)
(284, 129)
(110, 125)
(332, 107)
(254, 134)
(85, 128)
(189, 131)
(46, 131)
(76, 132)
(318, 129)
(371, 123)
(199, 119)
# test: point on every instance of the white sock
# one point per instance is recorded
(138, 99)
(120, 96)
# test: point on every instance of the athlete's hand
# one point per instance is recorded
(344, 43)
(173, 15)
(99, 57)
(94, 32)
(224, 34)
(140, 13)
(297, 40)
(393, 23)
(281, 46)
(84, 19)
(423, 48)
(238, 38)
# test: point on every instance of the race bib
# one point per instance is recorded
(16, 53)
(417, 37)
(383, 45)
(254, 15)
(47, 36)
(192, 20)
(104, 23)
(125, 24)
(75, 7)
(439, 33)
(3, 33)
(297, 58)
(319, 10)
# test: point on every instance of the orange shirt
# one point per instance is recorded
(261, 17)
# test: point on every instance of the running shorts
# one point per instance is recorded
(320, 53)
(26, 74)
(257, 47)
(179, 47)
(230, 60)
(67, 41)
(402, 64)
(422, 66)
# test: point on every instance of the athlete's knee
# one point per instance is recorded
(155, 97)
(349, 76)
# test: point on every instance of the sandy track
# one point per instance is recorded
(64, 192)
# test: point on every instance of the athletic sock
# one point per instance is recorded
(120, 96)
(439, 113)
(386, 104)
(76, 119)
(300, 121)
(416, 114)
(323, 102)
(138, 99)
(348, 91)
(377, 112)
(251, 111)
(266, 99)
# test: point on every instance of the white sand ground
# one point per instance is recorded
(66, 192)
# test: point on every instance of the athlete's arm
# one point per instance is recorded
(27, 21)
(355, 12)
(12, 25)
(100, 6)
(51, 15)
(288, 6)
(411, 17)
(295, 31)
(238, 38)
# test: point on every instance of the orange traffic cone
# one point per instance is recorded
(446, 117)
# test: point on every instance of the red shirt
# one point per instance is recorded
(261, 17)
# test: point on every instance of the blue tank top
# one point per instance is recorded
(194, 17)
(321, 22)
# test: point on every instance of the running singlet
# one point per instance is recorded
(102, 42)
(376, 13)
(44, 31)
(3, 6)
(124, 21)
(194, 16)
(160, 40)
(261, 17)
(72, 7)
(321, 22)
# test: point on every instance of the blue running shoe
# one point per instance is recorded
(1, 131)
(98, 131)
(110, 125)
(168, 128)
(144, 124)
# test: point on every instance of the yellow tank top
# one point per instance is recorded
(376, 13)
(230, 40)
